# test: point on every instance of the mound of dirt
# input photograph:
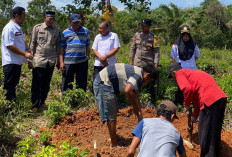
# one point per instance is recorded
(83, 128)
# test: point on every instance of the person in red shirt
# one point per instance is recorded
(209, 101)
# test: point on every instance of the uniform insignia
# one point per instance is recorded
(137, 41)
(18, 33)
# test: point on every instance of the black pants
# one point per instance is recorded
(81, 72)
(11, 79)
(96, 70)
(209, 128)
(41, 84)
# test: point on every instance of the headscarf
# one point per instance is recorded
(185, 49)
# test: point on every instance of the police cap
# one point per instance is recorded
(146, 22)
(50, 13)
(185, 29)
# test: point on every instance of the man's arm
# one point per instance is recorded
(133, 97)
(16, 50)
(33, 40)
(185, 87)
(134, 144)
(101, 58)
(61, 59)
(180, 148)
(157, 57)
(87, 50)
(132, 50)
(112, 52)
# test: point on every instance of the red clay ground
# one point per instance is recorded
(84, 127)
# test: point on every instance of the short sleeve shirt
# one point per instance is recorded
(104, 44)
(158, 138)
(12, 34)
(119, 74)
(188, 64)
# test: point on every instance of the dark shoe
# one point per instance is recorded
(44, 106)
(34, 110)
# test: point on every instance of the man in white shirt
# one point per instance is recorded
(105, 46)
(13, 49)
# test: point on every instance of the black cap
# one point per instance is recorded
(185, 29)
(50, 13)
(146, 22)
(173, 67)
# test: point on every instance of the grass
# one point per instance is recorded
(216, 62)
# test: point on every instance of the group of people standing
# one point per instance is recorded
(71, 50)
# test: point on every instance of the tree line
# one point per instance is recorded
(211, 23)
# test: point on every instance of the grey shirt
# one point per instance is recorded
(158, 138)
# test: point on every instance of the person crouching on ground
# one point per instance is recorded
(157, 136)
(119, 78)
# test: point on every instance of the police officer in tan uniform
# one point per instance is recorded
(44, 44)
(144, 50)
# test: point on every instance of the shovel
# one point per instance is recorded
(190, 130)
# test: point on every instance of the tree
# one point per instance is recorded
(36, 11)
(172, 20)
(6, 7)
(5, 11)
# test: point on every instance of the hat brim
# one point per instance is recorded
(185, 31)
(76, 20)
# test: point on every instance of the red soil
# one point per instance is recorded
(83, 128)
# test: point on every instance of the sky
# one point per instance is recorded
(120, 6)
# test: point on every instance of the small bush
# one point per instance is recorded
(56, 110)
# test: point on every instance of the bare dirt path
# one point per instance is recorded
(83, 128)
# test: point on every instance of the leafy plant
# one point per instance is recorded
(6, 123)
(71, 151)
(43, 136)
(27, 146)
(76, 98)
(56, 110)
(48, 151)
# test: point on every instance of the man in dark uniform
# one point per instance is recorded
(144, 50)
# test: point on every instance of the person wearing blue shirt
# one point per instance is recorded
(74, 53)
(157, 136)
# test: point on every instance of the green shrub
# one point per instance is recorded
(76, 98)
(27, 146)
(6, 124)
(56, 110)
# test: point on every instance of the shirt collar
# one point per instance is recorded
(109, 34)
(45, 26)
(70, 28)
(16, 25)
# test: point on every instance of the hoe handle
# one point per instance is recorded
(190, 125)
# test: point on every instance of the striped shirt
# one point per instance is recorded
(119, 74)
(75, 44)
